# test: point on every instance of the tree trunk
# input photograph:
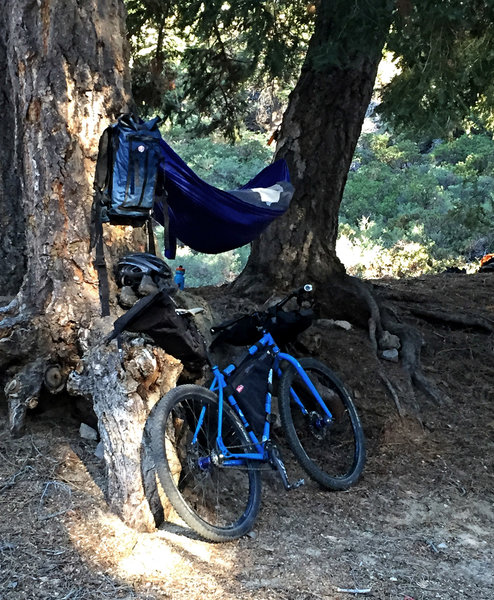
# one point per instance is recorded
(12, 250)
(65, 76)
(124, 391)
(320, 130)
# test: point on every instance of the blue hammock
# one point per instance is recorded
(210, 220)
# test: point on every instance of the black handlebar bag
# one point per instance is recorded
(237, 332)
(285, 326)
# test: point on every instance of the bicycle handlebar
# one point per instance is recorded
(298, 293)
(247, 328)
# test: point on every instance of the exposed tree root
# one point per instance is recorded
(354, 299)
(454, 319)
(393, 393)
(22, 392)
(22, 364)
(411, 345)
(8, 304)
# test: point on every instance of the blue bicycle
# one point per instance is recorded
(210, 445)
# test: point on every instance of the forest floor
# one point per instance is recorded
(419, 524)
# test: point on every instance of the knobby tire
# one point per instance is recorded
(220, 503)
(333, 454)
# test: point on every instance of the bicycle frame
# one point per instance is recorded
(228, 458)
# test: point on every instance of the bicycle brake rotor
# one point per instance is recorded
(317, 425)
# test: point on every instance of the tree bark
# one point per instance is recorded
(66, 74)
(320, 130)
(65, 78)
(124, 390)
(13, 238)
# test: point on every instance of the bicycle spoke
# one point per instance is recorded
(330, 449)
(219, 501)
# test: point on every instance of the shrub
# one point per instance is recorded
(470, 155)
(403, 212)
(410, 213)
(219, 162)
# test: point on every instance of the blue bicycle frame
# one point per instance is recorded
(229, 458)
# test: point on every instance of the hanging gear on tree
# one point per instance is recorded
(128, 179)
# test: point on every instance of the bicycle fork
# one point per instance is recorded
(276, 462)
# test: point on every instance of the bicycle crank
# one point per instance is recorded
(277, 463)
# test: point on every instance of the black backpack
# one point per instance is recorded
(129, 177)
(128, 170)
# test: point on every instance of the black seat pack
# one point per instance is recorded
(155, 315)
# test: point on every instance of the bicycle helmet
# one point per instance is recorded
(133, 267)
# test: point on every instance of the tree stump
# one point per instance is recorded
(124, 387)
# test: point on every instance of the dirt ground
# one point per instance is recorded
(419, 524)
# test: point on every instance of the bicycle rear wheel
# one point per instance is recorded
(331, 451)
(218, 502)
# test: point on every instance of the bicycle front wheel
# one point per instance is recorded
(331, 451)
(217, 501)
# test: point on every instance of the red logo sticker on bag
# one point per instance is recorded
(239, 388)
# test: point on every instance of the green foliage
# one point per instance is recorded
(210, 269)
(404, 212)
(219, 162)
(200, 62)
(155, 55)
(371, 260)
(445, 54)
(471, 155)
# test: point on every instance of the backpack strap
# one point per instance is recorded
(101, 182)
(151, 242)
(99, 259)
(102, 172)
(169, 241)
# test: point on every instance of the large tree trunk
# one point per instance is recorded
(320, 130)
(12, 240)
(65, 76)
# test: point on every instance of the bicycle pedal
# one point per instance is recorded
(277, 464)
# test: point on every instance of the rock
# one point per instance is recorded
(331, 323)
(147, 286)
(127, 297)
(87, 433)
(388, 341)
(311, 340)
(343, 325)
(391, 355)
